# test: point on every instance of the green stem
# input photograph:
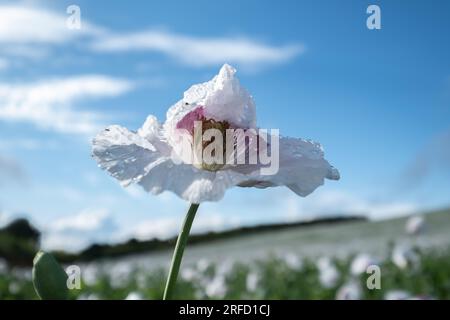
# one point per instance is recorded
(179, 250)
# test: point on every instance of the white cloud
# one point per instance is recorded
(333, 203)
(22, 24)
(198, 51)
(86, 220)
(29, 32)
(164, 228)
(77, 231)
(156, 228)
(49, 104)
(61, 241)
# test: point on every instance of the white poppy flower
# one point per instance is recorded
(350, 291)
(3, 266)
(361, 262)
(292, 260)
(91, 296)
(415, 225)
(153, 157)
(134, 296)
(217, 287)
(203, 265)
(328, 273)
(225, 267)
(397, 295)
(405, 257)
(188, 274)
(252, 281)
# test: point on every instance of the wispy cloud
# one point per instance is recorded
(29, 32)
(86, 220)
(23, 25)
(79, 230)
(48, 104)
(19, 34)
(197, 51)
(168, 227)
(333, 203)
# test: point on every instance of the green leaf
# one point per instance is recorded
(49, 278)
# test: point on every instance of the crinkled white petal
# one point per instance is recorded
(302, 168)
(151, 129)
(153, 132)
(124, 154)
(188, 182)
(227, 100)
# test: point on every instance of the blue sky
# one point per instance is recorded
(377, 100)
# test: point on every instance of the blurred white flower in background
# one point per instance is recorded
(120, 273)
(202, 265)
(422, 297)
(361, 262)
(415, 225)
(134, 296)
(3, 266)
(188, 274)
(328, 273)
(14, 287)
(225, 267)
(142, 280)
(252, 281)
(90, 296)
(405, 257)
(214, 284)
(155, 156)
(90, 274)
(292, 260)
(397, 295)
(216, 288)
(349, 291)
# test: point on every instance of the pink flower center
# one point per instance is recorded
(187, 122)
(198, 114)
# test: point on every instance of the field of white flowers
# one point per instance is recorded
(407, 275)
(414, 264)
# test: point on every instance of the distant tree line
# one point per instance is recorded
(19, 242)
